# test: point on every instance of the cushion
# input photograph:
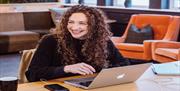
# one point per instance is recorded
(17, 40)
(19, 36)
(56, 14)
(136, 35)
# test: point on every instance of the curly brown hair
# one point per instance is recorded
(94, 47)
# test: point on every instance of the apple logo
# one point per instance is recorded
(120, 76)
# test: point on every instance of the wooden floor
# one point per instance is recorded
(9, 64)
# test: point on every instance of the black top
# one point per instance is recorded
(46, 62)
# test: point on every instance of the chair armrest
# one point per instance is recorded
(117, 39)
(166, 44)
(148, 48)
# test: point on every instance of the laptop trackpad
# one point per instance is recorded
(82, 81)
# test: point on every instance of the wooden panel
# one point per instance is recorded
(11, 22)
(37, 20)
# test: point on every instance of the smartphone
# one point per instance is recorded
(55, 87)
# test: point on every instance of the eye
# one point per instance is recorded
(70, 22)
(83, 23)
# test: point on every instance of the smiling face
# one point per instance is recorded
(77, 25)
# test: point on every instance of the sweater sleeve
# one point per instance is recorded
(115, 58)
(43, 64)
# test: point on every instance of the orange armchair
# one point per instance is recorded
(165, 27)
(165, 51)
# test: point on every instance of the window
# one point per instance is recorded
(177, 4)
(90, 2)
(74, 1)
(140, 3)
(86, 2)
(69, 1)
(134, 3)
(119, 3)
(174, 4)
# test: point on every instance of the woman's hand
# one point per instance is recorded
(79, 68)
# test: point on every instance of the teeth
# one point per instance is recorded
(76, 31)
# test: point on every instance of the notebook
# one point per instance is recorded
(111, 76)
(170, 68)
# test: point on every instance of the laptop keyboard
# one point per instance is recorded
(87, 83)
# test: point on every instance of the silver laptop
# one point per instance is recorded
(111, 76)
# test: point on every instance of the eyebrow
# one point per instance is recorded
(79, 21)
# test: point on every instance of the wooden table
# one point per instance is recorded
(147, 82)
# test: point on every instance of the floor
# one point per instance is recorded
(9, 64)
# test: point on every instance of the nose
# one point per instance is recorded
(75, 26)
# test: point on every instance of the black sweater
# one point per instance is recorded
(46, 62)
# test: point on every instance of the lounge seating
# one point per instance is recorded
(17, 40)
(165, 27)
(22, 30)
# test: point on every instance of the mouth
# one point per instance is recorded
(76, 31)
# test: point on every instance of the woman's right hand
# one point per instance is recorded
(79, 68)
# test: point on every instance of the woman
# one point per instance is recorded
(81, 45)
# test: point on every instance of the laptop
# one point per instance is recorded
(111, 76)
